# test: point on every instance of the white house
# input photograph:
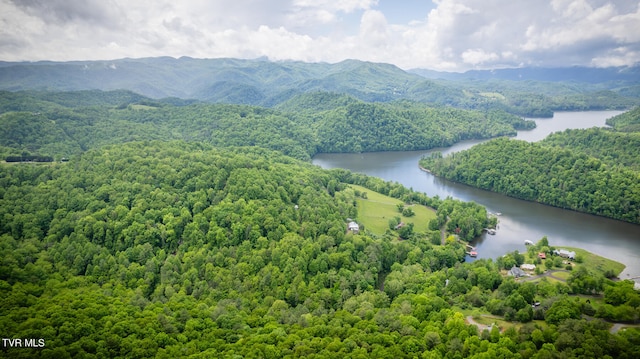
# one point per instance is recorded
(527, 266)
(353, 227)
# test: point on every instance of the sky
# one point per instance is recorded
(445, 35)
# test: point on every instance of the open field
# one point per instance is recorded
(596, 262)
(375, 211)
(562, 275)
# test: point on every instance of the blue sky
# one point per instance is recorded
(448, 35)
(405, 11)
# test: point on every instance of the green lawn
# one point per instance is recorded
(562, 275)
(375, 211)
(595, 262)
(590, 260)
(142, 107)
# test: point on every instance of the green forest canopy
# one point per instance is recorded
(172, 249)
(52, 124)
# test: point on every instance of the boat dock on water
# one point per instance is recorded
(471, 250)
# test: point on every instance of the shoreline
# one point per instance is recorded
(522, 199)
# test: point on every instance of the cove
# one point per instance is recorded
(520, 220)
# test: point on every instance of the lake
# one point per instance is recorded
(520, 220)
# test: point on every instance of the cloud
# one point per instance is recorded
(495, 33)
(97, 13)
(454, 35)
(374, 30)
(478, 56)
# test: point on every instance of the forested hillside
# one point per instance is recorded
(593, 170)
(65, 124)
(268, 84)
(168, 227)
(172, 249)
(626, 122)
(616, 149)
(366, 127)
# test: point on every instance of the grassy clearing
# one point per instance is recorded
(590, 260)
(562, 275)
(550, 279)
(376, 211)
(142, 107)
(493, 95)
(596, 262)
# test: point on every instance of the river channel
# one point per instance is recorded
(519, 220)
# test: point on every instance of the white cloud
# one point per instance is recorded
(478, 56)
(454, 35)
(374, 30)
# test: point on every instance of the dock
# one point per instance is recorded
(470, 250)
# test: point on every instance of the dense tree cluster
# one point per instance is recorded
(363, 127)
(176, 249)
(615, 149)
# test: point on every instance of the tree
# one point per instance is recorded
(408, 212)
(406, 231)
(562, 309)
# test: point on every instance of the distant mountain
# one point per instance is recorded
(588, 75)
(215, 80)
(266, 83)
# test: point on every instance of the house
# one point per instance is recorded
(353, 227)
(517, 272)
(542, 255)
(528, 266)
(565, 253)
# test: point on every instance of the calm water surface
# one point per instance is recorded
(520, 220)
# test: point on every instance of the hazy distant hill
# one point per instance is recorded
(216, 80)
(591, 75)
(266, 83)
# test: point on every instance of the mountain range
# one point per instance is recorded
(525, 91)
